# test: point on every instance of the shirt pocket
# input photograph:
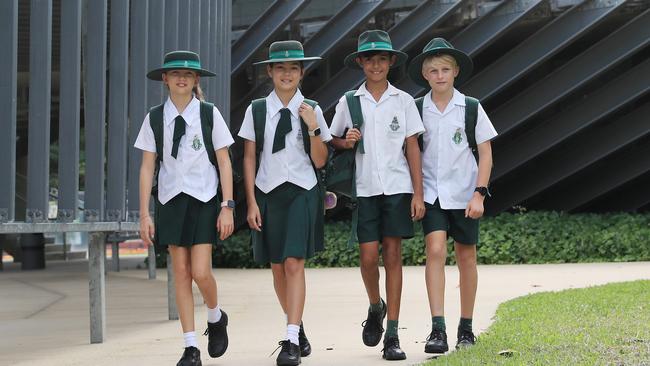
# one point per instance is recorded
(395, 125)
(455, 136)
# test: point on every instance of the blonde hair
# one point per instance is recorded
(443, 57)
(198, 92)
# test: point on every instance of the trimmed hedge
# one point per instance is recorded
(528, 237)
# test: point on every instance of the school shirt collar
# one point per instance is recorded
(187, 113)
(274, 104)
(457, 99)
(391, 90)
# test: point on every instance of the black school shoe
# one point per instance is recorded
(217, 336)
(436, 342)
(289, 355)
(305, 347)
(373, 326)
(392, 350)
(465, 339)
(191, 357)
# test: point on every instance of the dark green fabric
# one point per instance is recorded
(391, 328)
(384, 215)
(463, 229)
(471, 118)
(376, 308)
(292, 224)
(354, 106)
(438, 322)
(465, 324)
(207, 124)
(179, 132)
(284, 127)
(185, 221)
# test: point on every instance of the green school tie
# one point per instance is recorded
(179, 131)
(284, 127)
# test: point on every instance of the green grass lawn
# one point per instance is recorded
(604, 325)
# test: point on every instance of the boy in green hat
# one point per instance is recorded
(457, 160)
(388, 182)
(184, 140)
(286, 136)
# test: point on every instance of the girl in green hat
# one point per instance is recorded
(455, 180)
(285, 141)
(388, 182)
(180, 144)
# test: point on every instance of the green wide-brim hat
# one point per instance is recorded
(286, 51)
(440, 46)
(179, 60)
(374, 40)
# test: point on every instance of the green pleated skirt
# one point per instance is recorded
(186, 221)
(292, 224)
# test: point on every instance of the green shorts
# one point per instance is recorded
(185, 221)
(384, 215)
(292, 224)
(463, 229)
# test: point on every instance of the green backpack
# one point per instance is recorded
(156, 123)
(341, 168)
(258, 107)
(471, 115)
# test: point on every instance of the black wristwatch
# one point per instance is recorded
(483, 191)
(314, 132)
(228, 203)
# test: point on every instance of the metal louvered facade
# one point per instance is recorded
(565, 84)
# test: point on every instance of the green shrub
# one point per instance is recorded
(528, 237)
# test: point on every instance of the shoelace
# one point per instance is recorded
(282, 344)
(374, 320)
(467, 336)
(436, 334)
(391, 342)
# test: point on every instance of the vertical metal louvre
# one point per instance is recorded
(8, 63)
(40, 62)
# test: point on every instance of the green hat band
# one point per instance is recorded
(277, 55)
(374, 46)
(181, 64)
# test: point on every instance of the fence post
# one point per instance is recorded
(97, 286)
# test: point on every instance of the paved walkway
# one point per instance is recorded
(44, 314)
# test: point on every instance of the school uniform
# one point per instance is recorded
(449, 167)
(384, 186)
(286, 188)
(187, 202)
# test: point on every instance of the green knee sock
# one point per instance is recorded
(438, 322)
(465, 324)
(378, 307)
(391, 328)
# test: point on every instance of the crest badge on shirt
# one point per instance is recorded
(394, 125)
(196, 143)
(458, 138)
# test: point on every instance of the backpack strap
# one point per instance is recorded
(207, 124)
(419, 103)
(258, 107)
(354, 106)
(305, 130)
(471, 116)
(156, 123)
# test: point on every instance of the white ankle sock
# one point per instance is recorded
(292, 333)
(214, 315)
(190, 339)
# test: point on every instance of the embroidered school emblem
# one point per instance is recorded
(458, 138)
(395, 124)
(196, 143)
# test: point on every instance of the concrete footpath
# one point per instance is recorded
(44, 314)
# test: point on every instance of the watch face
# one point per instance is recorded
(317, 131)
(231, 204)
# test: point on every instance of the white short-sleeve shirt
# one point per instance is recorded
(448, 165)
(191, 172)
(383, 168)
(291, 164)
